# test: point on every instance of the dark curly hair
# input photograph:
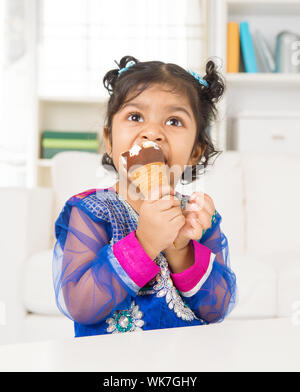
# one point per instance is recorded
(142, 74)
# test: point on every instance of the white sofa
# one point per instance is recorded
(256, 194)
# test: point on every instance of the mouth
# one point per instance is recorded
(157, 146)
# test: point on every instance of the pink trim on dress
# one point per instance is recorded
(134, 260)
(82, 195)
(188, 279)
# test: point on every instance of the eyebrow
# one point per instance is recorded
(169, 107)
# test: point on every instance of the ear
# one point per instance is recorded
(108, 147)
(196, 155)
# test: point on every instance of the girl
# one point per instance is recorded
(115, 267)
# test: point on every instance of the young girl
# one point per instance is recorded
(115, 267)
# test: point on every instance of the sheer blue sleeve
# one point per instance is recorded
(86, 286)
(216, 297)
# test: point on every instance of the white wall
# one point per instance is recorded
(80, 39)
(17, 73)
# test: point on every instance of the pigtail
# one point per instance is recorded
(125, 60)
(111, 77)
(216, 83)
(208, 96)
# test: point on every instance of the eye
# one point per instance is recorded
(174, 121)
(135, 117)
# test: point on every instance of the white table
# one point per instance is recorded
(253, 345)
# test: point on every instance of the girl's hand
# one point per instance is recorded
(198, 215)
(160, 220)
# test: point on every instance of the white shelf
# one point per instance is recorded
(259, 7)
(66, 113)
(254, 92)
(74, 99)
(241, 78)
(262, 2)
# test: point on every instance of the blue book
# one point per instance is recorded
(247, 48)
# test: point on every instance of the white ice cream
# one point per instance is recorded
(149, 143)
(135, 149)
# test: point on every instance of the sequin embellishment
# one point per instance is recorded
(126, 320)
(165, 288)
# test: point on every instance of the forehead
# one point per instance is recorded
(168, 92)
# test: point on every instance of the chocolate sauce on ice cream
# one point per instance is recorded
(149, 152)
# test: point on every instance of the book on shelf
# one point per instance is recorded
(265, 58)
(233, 47)
(69, 135)
(247, 48)
(54, 142)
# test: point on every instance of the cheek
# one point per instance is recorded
(116, 154)
(120, 143)
(182, 150)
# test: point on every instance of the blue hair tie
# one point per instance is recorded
(194, 74)
(200, 80)
(130, 64)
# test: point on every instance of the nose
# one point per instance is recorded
(153, 133)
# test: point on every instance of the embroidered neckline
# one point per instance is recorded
(131, 209)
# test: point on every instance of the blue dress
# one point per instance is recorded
(102, 295)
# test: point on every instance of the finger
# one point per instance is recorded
(169, 215)
(201, 201)
(209, 204)
(195, 203)
(196, 229)
(192, 228)
(178, 220)
(166, 203)
(192, 206)
(158, 192)
(203, 217)
(173, 212)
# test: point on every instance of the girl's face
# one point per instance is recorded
(158, 115)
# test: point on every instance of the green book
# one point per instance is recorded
(69, 135)
(70, 143)
(48, 153)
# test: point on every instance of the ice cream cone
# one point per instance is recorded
(149, 177)
(151, 173)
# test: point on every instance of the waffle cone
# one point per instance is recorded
(150, 176)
